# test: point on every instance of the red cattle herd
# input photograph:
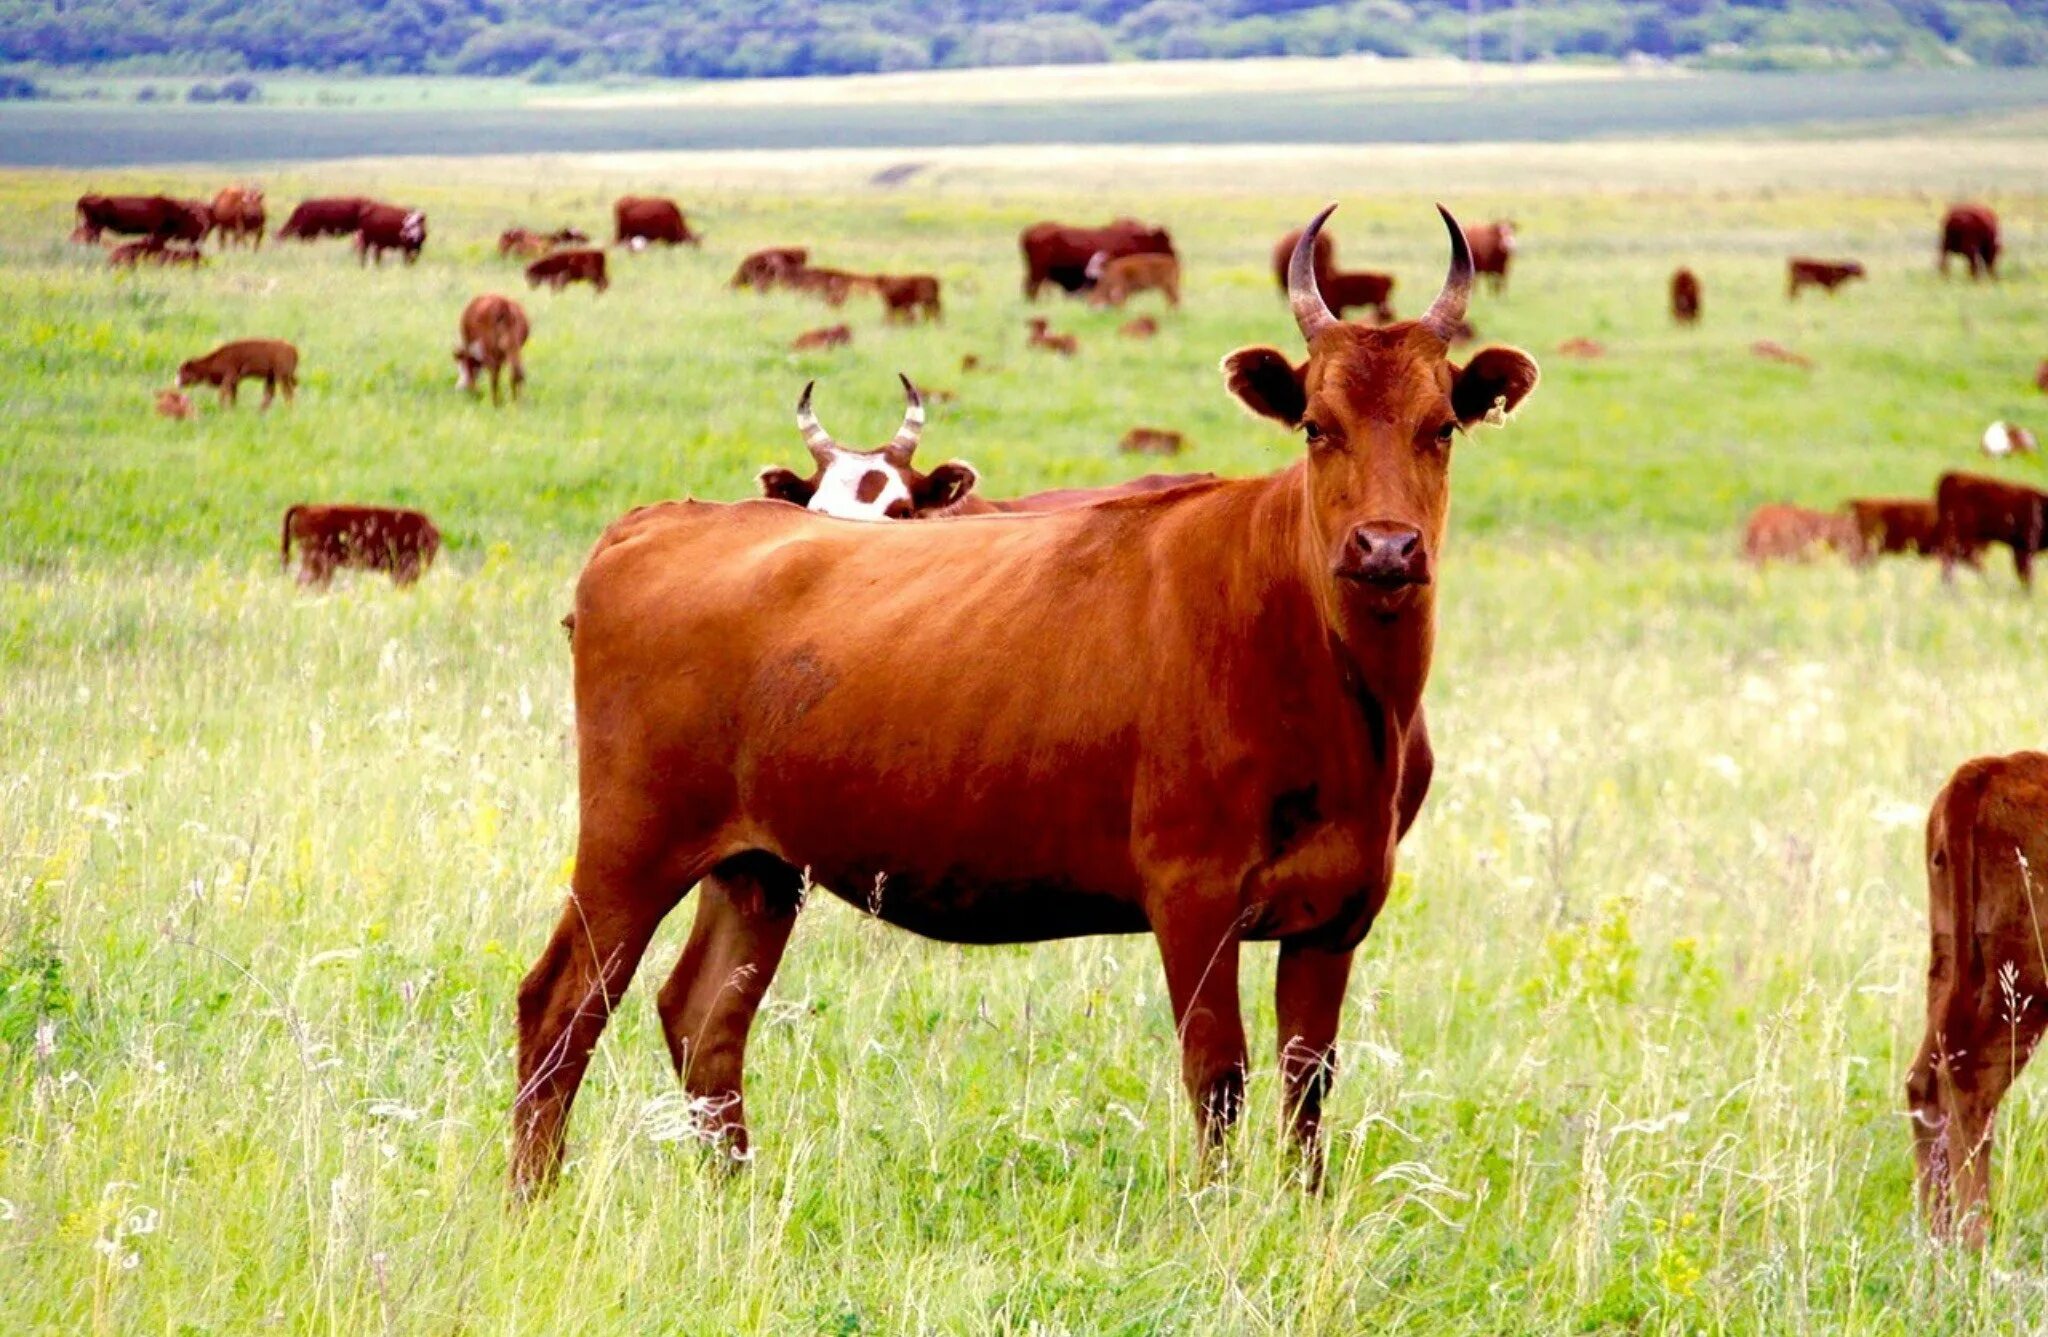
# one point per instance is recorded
(1096, 791)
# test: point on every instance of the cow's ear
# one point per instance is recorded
(1265, 382)
(1492, 385)
(784, 485)
(945, 486)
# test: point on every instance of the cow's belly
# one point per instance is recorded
(964, 908)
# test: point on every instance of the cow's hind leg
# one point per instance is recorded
(745, 911)
(628, 877)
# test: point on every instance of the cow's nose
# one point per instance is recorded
(1387, 555)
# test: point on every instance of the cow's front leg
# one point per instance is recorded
(1198, 928)
(1308, 996)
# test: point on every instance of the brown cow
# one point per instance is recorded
(531, 245)
(388, 227)
(833, 286)
(563, 268)
(272, 361)
(2041, 376)
(1896, 525)
(1058, 254)
(129, 253)
(494, 333)
(1066, 345)
(827, 336)
(1117, 281)
(368, 538)
(157, 216)
(1493, 247)
(1152, 441)
(1325, 258)
(641, 221)
(1195, 713)
(765, 268)
(1987, 894)
(328, 216)
(1144, 327)
(238, 215)
(1341, 290)
(1828, 275)
(1971, 231)
(908, 297)
(1974, 511)
(1781, 532)
(1685, 297)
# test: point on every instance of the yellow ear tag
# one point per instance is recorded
(1497, 416)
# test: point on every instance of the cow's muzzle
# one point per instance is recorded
(1385, 557)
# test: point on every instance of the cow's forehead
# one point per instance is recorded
(1383, 374)
(859, 486)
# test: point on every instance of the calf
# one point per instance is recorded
(1898, 525)
(908, 297)
(1779, 532)
(1971, 510)
(1987, 835)
(831, 336)
(1118, 280)
(1685, 297)
(369, 538)
(386, 227)
(1066, 345)
(531, 245)
(272, 361)
(173, 404)
(563, 268)
(766, 268)
(1144, 327)
(2002, 439)
(833, 286)
(1152, 441)
(1345, 289)
(494, 332)
(1801, 273)
(129, 253)
(1582, 348)
(177, 255)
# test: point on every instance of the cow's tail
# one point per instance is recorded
(284, 547)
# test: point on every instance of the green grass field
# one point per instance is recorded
(1624, 1054)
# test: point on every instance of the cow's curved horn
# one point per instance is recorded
(904, 444)
(1447, 313)
(816, 439)
(1304, 294)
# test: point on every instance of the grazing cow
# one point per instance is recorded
(272, 361)
(368, 538)
(387, 227)
(1341, 290)
(494, 333)
(1144, 327)
(1493, 247)
(1827, 275)
(1896, 525)
(765, 268)
(238, 215)
(1685, 297)
(1582, 348)
(329, 216)
(1152, 441)
(908, 297)
(174, 404)
(1987, 893)
(1779, 532)
(640, 222)
(1117, 281)
(829, 336)
(1971, 231)
(1058, 254)
(2002, 439)
(1066, 345)
(1325, 258)
(1974, 511)
(157, 216)
(563, 268)
(1195, 713)
(1772, 351)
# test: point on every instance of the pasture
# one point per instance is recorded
(1624, 1053)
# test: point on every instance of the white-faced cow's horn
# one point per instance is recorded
(1447, 313)
(816, 438)
(1304, 294)
(904, 444)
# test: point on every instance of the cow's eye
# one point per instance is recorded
(1445, 433)
(1312, 431)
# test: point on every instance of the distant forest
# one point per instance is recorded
(719, 39)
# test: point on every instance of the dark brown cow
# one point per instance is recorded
(157, 216)
(828, 336)
(238, 215)
(1828, 275)
(1971, 231)
(493, 337)
(1974, 511)
(1195, 713)
(563, 268)
(1493, 248)
(389, 227)
(1987, 896)
(367, 538)
(1058, 254)
(1780, 532)
(1342, 291)
(1039, 335)
(765, 268)
(329, 216)
(1685, 297)
(907, 298)
(640, 222)
(272, 361)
